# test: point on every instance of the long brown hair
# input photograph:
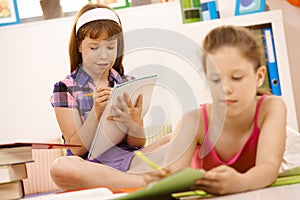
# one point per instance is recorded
(234, 36)
(94, 29)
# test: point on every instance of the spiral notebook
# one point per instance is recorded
(110, 133)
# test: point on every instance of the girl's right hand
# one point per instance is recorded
(156, 175)
(101, 96)
(220, 180)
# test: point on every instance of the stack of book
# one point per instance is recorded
(13, 159)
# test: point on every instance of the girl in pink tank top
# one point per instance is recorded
(239, 138)
(242, 161)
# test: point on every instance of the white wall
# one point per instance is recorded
(34, 56)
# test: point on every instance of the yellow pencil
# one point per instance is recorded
(89, 94)
(140, 155)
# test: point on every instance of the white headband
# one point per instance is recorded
(96, 14)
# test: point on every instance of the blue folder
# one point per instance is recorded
(272, 62)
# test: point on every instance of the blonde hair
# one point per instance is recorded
(94, 29)
(234, 36)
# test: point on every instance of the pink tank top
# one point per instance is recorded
(242, 161)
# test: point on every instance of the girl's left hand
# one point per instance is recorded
(128, 114)
(220, 180)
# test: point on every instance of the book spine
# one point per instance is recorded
(209, 10)
(191, 11)
(12, 190)
(271, 62)
(258, 33)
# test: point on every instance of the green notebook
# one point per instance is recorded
(177, 182)
(290, 172)
(286, 180)
(194, 193)
(287, 177)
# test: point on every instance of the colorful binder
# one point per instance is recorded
(191, 11)
(209, 10)
(271, 61)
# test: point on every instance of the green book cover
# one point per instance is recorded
(177, 182)
(191, 11)
(287, 177)
(257, 31)
(287, 180)
(290, 172)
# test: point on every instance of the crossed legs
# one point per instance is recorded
(71, 172)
